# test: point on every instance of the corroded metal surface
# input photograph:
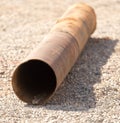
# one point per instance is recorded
(40, 74)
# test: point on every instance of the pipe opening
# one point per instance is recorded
(34, 81)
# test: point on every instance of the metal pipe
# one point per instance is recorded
(36, 79)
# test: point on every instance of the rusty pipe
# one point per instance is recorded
(36, 79)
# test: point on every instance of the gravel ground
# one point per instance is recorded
(91, 91)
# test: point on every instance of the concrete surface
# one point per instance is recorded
(91, 91)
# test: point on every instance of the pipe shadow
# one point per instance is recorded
(77, 92)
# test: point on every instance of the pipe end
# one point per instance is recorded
(34, 81)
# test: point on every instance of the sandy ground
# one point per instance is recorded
(91, 91)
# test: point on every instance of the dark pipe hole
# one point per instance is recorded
(34, 79)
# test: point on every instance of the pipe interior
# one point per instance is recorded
(35, 80)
